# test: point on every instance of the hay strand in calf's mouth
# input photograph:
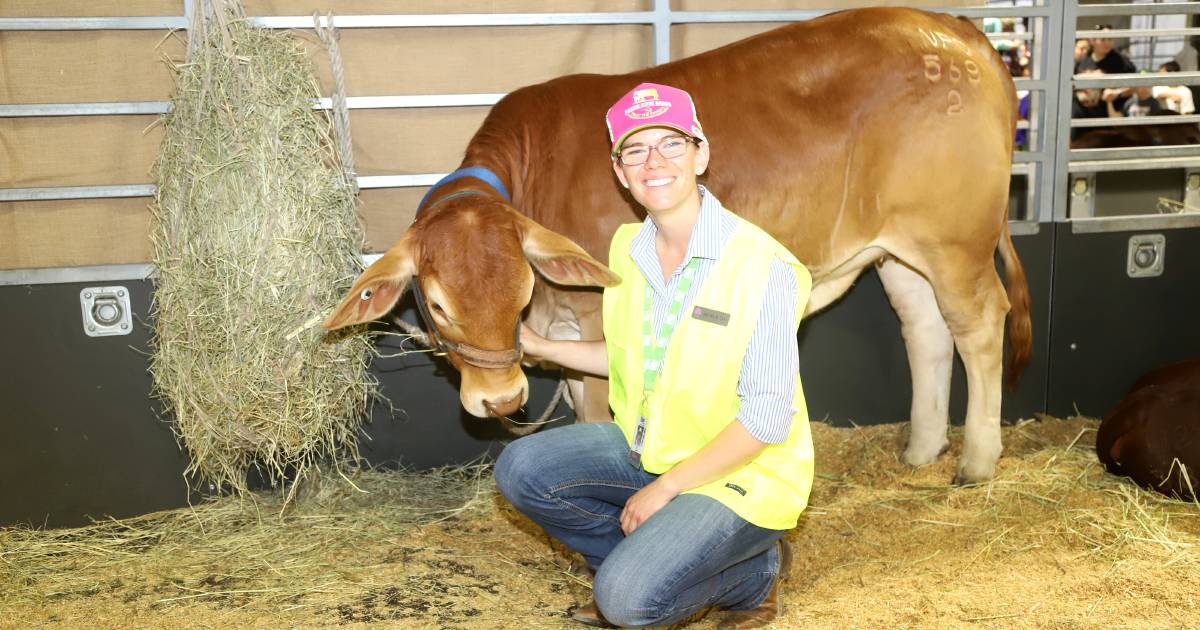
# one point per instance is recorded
(255, 239)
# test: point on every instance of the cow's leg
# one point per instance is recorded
(974, 303)
(592, 404)
(569, 330)
(930, 358)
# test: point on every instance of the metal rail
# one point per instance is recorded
(1161, 8)
(1125, 33)
(94, 23)
(1092, 225)
(1185, 150)
(31, 110)
(64, 193)
(490, 19)
(1133, 164)
(59, 193)
(1134, 121)
(83, 109)
(1084, 81)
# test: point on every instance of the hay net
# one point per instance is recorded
(255, 239)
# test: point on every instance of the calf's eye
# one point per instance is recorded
(365, 295)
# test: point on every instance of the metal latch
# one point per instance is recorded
(106, 311)
(1146, 252)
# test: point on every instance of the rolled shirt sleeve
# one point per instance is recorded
(767, 383)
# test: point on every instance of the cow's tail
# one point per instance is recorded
(1020, 328)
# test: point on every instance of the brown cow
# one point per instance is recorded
(867, 137)
(1138, 136)
(1153, 435)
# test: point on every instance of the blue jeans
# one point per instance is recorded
(573, 481)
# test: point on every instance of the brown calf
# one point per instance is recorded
(869, 137)
(1153, 435)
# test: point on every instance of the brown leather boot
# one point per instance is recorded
(590, 615)
(770, 608)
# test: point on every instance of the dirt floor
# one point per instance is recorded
(1052, 542)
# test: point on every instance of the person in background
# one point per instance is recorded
(1087, 103)
(1187, 60)
(1177, 98)
(1096, 102)
(1104, 57)
(1082, 49)
(1142, 103)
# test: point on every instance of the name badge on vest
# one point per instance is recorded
(639, 438)
(710, 315)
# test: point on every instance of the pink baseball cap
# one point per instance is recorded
(652, 105)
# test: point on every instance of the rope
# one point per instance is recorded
(525, 428)
(341, 113)
(421, 338)
(558, 394)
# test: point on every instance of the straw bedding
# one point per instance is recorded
(255, 239)
(1052, 542)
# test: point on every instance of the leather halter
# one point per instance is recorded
(473, 355)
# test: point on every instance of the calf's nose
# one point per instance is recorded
(502, 407)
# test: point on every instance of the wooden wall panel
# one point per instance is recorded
(85, 66)
(77, 151)
(74, 233)
(410, 141)
(89, 8)
(478, 59)
(386, 213)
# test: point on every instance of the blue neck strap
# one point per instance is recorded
(478, 172)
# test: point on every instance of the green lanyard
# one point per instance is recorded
(654, 349)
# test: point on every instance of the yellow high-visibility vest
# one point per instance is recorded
(696, 396)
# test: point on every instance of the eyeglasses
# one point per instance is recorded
(669, 147)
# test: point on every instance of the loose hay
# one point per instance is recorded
(255, 240)
(240, 551)
(1052, 542)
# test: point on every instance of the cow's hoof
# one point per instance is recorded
(969, 475)
(921, 455)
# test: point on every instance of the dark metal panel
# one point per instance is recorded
(78, 436)
(853, 362)
(1124, 193)
(1108, 328)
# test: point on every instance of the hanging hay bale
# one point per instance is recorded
(255, 240)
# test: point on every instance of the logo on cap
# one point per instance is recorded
(648, 94)
(646, 104)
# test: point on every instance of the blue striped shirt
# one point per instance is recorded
(767, 382)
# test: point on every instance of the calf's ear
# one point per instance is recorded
(376, 291)
(560, 260)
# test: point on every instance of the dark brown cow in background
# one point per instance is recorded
(1153, 435)
(869, 137)
(1138, 136)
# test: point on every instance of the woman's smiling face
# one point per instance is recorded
(661, 184)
